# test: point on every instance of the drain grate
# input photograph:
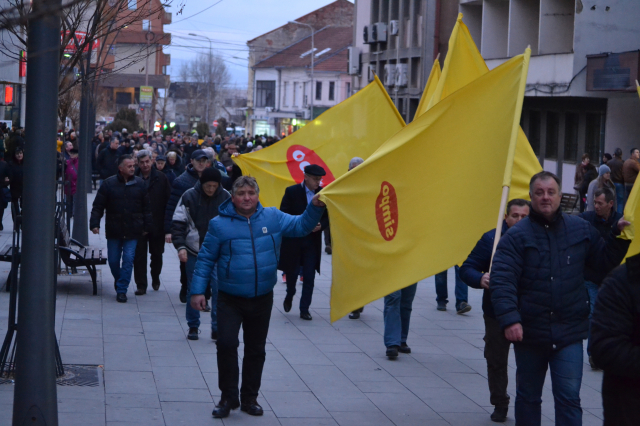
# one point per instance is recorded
(74, 375)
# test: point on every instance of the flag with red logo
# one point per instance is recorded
(418, 205)
(354, 128)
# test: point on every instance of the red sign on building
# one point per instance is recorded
(80, 36)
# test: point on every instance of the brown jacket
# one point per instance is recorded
(630, 171)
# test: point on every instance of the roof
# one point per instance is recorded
(330, 45)
(307, 17)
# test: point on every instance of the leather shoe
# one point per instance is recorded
(252, 408)
(140, 292)
(442, 306)
(499, 414)
(193, 333)
(223, 408)
(354, 315)
(121, 298)
(155, 284)
(404, 348)
(305, 316)
(392, 352)
(328, 250)
(286, 304)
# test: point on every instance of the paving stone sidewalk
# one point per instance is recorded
(316, 373)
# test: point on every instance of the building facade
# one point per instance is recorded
(286, 96)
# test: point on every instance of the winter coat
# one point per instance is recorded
(183, 182)
(169, 174)
(294, 202)
(192, 216)
(127, 206)
(247, 250)
(477, 264)
(159, 190)
(590, 174)
(5, 172)
(71, 176)
(604, 227)
(537, 278)
(178, 167)
(591, 193)
(615, 343)
(16, 178)
(108, 162)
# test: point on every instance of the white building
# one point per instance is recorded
(284, 93)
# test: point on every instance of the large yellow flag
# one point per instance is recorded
(631, 213)
(419, 203)
(464, 64)
(429, 89)
(354, 128)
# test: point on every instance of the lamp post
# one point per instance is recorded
(208, 74)
(313, 54)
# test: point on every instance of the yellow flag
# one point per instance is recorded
(429, 89)
(415, 208)
(631, 213)
(463, 65)
(354, 128)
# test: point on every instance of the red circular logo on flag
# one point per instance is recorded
(387, 211)
(299, 157)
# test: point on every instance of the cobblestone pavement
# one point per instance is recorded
(316, 373)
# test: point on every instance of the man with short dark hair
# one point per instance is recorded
(243, 243)
(302, 252)
(630, 170)
(125, 199)
(475, 273)
(159, 190)
(616, 164)
(539, 298)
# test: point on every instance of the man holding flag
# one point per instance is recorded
(539, 298)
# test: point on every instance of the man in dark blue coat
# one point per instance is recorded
(475, 273)
(604, 218)
(539, 298)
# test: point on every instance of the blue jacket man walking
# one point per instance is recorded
(244, 243)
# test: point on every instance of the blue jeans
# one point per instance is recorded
(397, 315)
(125, 250)
(193, 316)
(620, 197)
(461, 292)
(592, 289)
(566, 378)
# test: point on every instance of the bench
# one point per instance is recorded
(74, 254)
(568, 202)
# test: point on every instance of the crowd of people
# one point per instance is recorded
(541, 286)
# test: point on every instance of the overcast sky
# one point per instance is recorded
(229, 23)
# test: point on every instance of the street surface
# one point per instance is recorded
(316, 373)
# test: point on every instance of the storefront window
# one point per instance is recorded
(553, 127)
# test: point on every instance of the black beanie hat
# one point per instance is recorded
(210, 175)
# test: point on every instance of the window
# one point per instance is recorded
(123, 98)
(594, 136)
(265, 94)
(534, 131)
(347, 90)
(146, 25)
(295, 93)
(571, 137)
(132, 4)
(318, 90)
(332, 91)
(284, 93)
(553, 128)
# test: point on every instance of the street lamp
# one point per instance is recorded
(208, 73)
(313, 54)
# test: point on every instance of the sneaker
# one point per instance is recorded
(463, 308)
(404, 348)
(284, 278)
(593, 365)
(499, 414)
(193, 333)
(442, 306)
(392, 352)
(121, 298)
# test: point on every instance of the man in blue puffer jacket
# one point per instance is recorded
(244, 241)
(539, 298)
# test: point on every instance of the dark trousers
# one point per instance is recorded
(154, 245)
(327, 236)
(253, 314)
(309, 256)
(496, 352)
(183, 275)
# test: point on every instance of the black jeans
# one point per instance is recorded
(154, 245)
(327, 236)
(309, 255)
(253, 314)
(496, 352)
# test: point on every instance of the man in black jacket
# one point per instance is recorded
(125, 199)
(615, 343)
(306, 251)
(538, 295)
(159, 190)
(475, 273)
(187, 180)
(108, 159)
